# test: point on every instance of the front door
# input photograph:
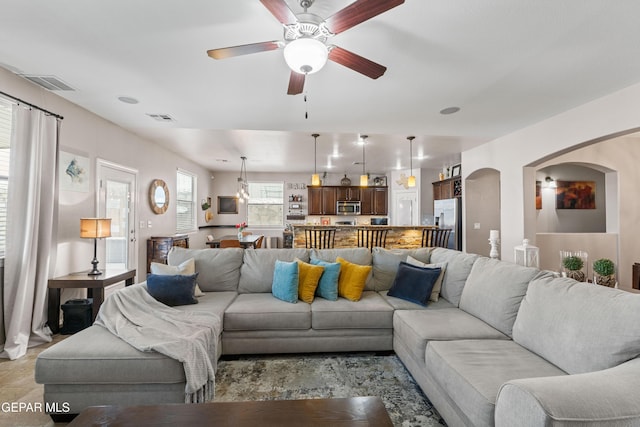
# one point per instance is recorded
(116, 200)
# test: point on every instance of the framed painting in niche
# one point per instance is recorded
(227, 205)
(575, 194)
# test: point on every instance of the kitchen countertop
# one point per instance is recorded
(345, 226)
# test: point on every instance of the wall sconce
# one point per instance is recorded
(551, 183)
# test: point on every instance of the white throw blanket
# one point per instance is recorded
(148, 325)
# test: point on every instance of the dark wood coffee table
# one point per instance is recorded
(352, 411)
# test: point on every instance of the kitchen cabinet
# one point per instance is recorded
(322, 200)
(350, 194)
(374, 201)
(447, 188)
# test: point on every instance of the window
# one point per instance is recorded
(185, 201)
(266, 204)
(5, 150)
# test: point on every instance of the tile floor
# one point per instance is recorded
(17, 384)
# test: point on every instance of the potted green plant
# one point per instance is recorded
(604, 272)
(573, 267)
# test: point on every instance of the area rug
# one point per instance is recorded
(319, 376)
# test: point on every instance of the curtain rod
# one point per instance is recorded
(57, 116)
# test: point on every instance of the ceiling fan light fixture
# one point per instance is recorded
(305, 55)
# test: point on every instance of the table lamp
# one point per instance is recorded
(95, 228)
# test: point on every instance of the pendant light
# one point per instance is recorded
(364, 178)
(411, 182)
(315, 178)
(243, 184)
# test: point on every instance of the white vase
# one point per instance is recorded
(239, 235)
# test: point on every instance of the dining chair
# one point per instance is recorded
(372, 237)
(320, 238)
(258, 243)
(436, 237)
(230, 243)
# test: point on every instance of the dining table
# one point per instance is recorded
(248, 241)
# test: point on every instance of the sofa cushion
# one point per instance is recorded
(360, 256)
(218, 270)
(261, 311)
(285, 281)
(435, 292)
(371, 312)
(599, 325)
(186, 268)
(172, 290)
(415, 328)
(328, 283)
(413, 283)
(472, 372)
(352, 279)
(386, 261)
(258, 266)
(494, 290)
(458, 268)
(308, 277)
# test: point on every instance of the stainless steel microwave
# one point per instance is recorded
(348, 208)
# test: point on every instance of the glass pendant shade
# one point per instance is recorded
(364, 180)
(411, 181)
(315, 179)
(306, 56)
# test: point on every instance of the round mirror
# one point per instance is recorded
(159, 196)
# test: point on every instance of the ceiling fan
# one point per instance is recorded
(305, 39)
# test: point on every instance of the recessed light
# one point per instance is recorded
(128, 100)
(450, 110)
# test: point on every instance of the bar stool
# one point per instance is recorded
(320, 238)
(436, 237)
(371, 237)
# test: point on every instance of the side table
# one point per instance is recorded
(95, 289)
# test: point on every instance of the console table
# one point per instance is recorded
(95, 289)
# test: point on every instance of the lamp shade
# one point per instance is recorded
(306, 56)
(95, 228)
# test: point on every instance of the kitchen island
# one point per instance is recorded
(399, 236)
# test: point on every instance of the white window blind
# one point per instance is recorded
(185, 201)
(5, 151)
(266, 204)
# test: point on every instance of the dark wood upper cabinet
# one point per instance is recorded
(322, 200)
(351, 194)
(447, 188)
(374, 200)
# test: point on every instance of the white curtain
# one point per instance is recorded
(31, 229)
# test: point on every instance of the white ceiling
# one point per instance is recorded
(505, 63)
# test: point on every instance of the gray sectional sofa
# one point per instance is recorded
(504, 345)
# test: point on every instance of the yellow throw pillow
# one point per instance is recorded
(308, 278)
(352, 279)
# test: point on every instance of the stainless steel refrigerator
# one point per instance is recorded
(449, 215)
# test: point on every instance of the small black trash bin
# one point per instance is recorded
(77, 315)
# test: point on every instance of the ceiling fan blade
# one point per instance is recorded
(296, 83)
(245, 49)
(358, 12)
(356, 62)
(280, 10)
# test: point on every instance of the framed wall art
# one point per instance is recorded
(538, 195)
(227, 205)
(74, 172)
(456, 170)
(575, 194)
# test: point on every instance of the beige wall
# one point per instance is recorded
(517, 155)
(85, 133)
(482, 207)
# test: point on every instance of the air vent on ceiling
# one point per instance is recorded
(161, 117)
(48, 82)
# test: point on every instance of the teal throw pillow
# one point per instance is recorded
(413, 283)
(328, 284)
(172, 290)
(285, 281)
